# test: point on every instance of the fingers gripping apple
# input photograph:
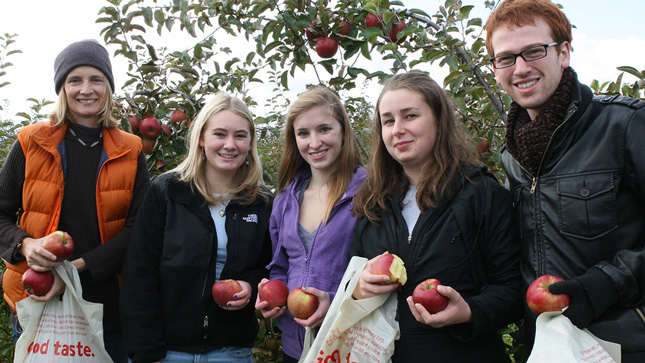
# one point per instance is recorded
(60, 244)
(301, 304)
(391, 266)
(225, 290)
(540, 299)
(274, 292)
(427, 295)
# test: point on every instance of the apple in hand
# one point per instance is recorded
(150, 128)
(36, 282)
(427, 295)
(301, 304)
(540, 299)
(391, 266)
(60, 244)
(275, 292)
(225, 290)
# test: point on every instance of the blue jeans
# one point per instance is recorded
(224, 355)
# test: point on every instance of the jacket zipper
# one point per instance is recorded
(534, 184)
(640, 313)
(204, 311)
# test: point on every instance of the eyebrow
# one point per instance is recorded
(403, 110)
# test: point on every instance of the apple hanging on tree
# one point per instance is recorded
(150, 128)
(396, 28)
(134, 123)
(372, 21)
(326, 47)
(177, 116)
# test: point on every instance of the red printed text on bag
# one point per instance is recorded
(59, 349)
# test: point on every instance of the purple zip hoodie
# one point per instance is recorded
(324, 265)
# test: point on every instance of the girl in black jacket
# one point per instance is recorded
(206, 220)
(426, 200)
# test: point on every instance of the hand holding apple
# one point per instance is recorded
(456, 312)
(301, 304)
(36, 282)
(315, 319)
(225, 291)
(274, 292)
(540, 299)
(60, 244)
(391, 266)
(426, 294)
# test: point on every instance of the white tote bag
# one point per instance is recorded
(354, 330)
(558, 340)
(67, 329)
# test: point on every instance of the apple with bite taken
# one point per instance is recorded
(391, 266)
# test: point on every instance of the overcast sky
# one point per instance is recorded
(609, 34)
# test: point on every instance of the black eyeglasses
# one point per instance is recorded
(529, 54)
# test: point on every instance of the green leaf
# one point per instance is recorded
(464, 12)
(631, 70)
(147, 15)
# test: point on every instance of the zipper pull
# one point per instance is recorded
(533, 185)
(409, 239)
(205, 321)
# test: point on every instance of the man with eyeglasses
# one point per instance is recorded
(575, 164)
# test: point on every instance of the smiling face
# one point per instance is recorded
(226, 139)
(409, 130)
(85, 94)
(319, 137)
(530, 84)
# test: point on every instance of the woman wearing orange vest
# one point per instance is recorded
(77, 173)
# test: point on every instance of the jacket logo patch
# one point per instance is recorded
(251, 218)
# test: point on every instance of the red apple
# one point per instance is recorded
(37, 283)
(275, 292)
(148, 145)
(301, 304)
(391, 266)
(326, 47)
(482, 147)
(540, 299)
(134, 123)
(225, 290)
(60, 244)
(314, 32)
(396, 28)
(150, 128)
(427, 295)
(345, 28)
(372, 21)
(166, 129)
(177, 116)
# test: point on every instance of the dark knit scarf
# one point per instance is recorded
(527, 139)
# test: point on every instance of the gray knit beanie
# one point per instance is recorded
(83, 53)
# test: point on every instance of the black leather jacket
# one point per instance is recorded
(585, 207)
(469, 242)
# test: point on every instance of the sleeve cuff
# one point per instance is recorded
(600, 290)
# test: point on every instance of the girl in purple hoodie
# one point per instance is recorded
(311, 222)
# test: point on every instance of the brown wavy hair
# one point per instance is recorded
(517, 13)
(348, 159)
(385, 175)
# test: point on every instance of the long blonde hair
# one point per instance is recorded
(248, 177)
(385, 175)
(348, 159)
